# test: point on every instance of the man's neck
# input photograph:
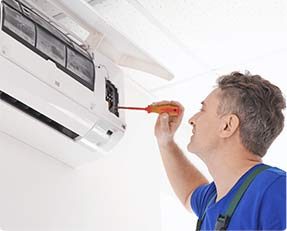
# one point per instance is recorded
(229, 169)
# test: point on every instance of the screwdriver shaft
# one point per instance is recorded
(133, 108)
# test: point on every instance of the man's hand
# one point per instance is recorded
(166, 125)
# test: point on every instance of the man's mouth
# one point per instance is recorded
(193, 131)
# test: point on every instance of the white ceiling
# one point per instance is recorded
(195, 38)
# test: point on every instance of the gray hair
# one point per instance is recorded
(258, 105)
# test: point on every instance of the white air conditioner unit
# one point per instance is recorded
(55, 95)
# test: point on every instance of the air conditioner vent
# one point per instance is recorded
(37, 115)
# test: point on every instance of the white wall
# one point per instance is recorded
(117, 193)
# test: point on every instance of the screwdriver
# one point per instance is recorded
(171, 109)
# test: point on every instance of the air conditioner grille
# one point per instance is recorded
(33, 31)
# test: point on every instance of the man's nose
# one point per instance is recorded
(192, 120)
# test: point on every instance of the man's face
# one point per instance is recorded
(206, 126)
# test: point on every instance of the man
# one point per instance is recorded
(236, 125)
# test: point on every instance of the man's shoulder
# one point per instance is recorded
(270, 177)
(276, 171)
(273, 173)
(272, 209)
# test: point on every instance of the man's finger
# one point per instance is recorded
(164, 122)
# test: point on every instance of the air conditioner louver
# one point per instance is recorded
(37, 115)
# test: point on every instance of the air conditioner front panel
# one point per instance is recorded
(26, 88)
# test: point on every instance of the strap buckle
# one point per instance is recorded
(222, 222)
(198, 225)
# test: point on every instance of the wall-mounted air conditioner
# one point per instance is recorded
(55, 95)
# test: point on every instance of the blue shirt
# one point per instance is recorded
(262, 207)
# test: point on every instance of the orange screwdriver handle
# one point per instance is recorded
(172, 110)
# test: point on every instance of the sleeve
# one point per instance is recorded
(273, 207)
(200, 197)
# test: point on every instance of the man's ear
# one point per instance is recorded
(229, 125)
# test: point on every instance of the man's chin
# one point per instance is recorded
(192, 148)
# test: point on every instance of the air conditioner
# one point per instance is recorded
(52, 86)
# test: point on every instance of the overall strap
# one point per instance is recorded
(199, 221)
(223, 220)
